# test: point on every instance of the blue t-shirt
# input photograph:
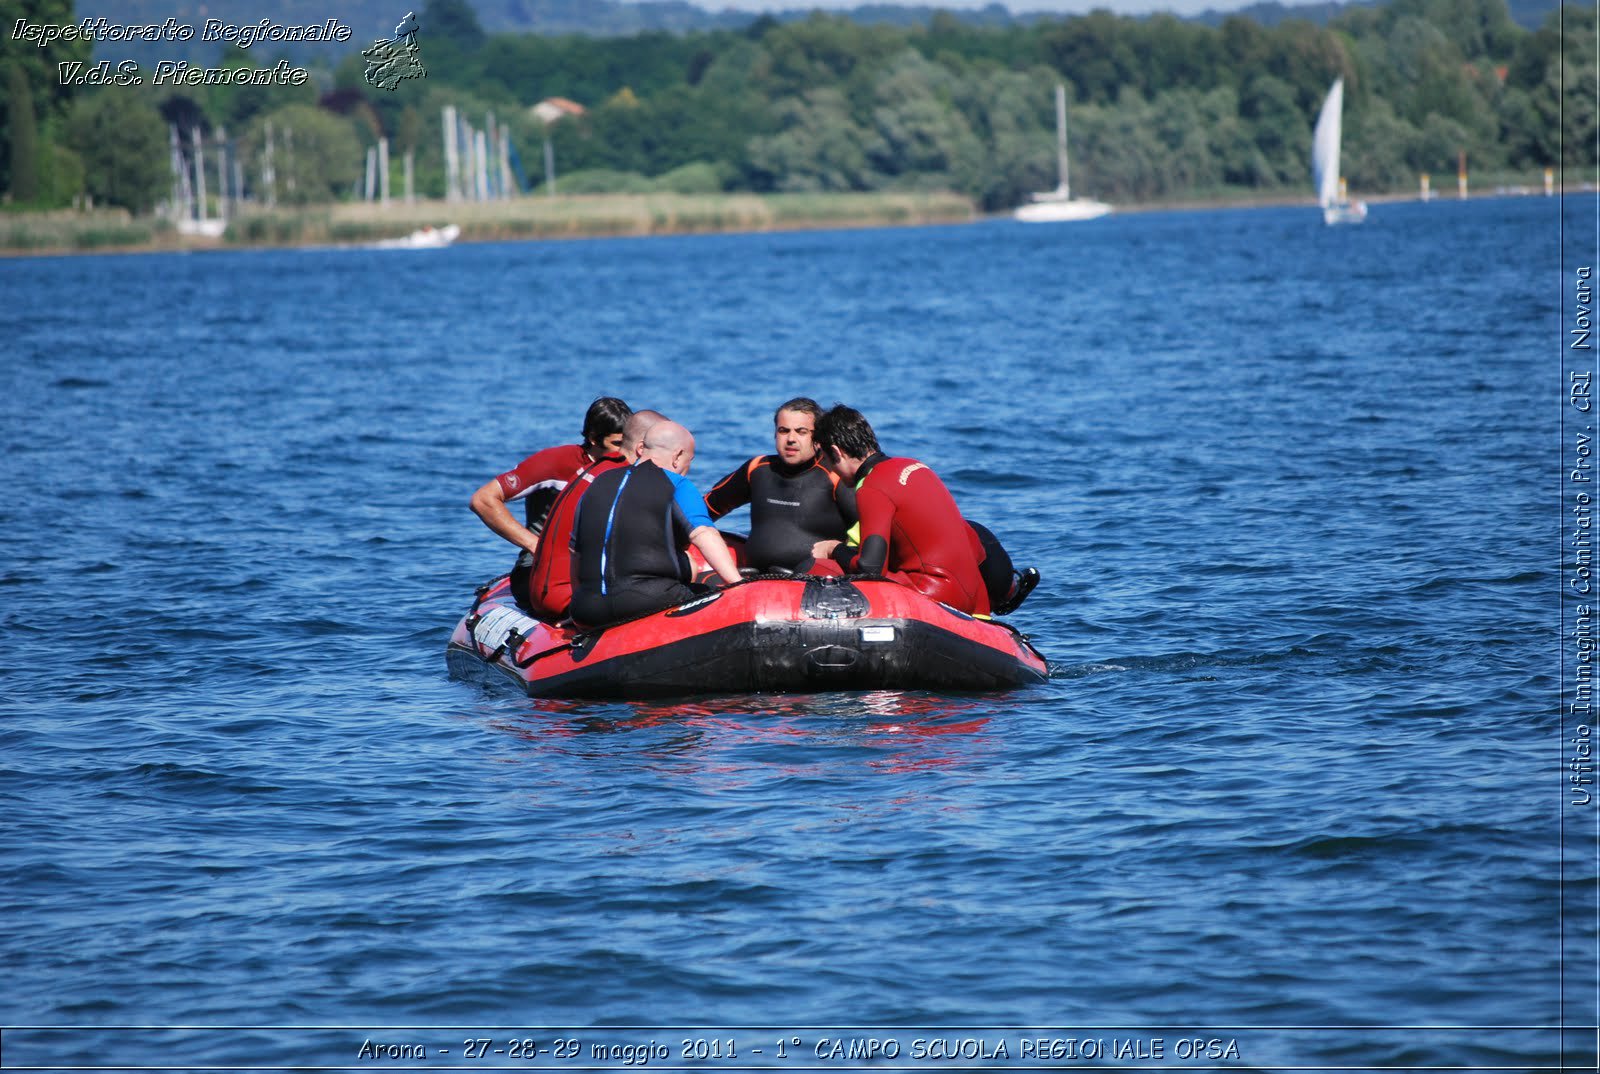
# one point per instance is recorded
(690, 502)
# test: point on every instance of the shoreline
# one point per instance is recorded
(70, 232)
(64, 233)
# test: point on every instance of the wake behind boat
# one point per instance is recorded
(794, 634)
(424, 238)
(1337, 208)
(1058, 205)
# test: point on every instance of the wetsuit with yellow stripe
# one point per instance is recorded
(913, 533)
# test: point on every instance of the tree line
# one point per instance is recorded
(1160, 108)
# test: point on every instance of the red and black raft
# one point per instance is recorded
(766, 634)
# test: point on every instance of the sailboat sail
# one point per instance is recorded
(1337, 207)
(1325, 145)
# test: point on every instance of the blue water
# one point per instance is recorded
(1294, 492)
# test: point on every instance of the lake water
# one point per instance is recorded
(1298, 786)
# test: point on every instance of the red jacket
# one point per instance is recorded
(913, 533)
(550, 580)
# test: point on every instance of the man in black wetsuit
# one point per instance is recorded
(632, 528)
(794, 501)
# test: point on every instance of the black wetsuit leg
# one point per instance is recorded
(521, 575)
(998, 573)
(638, 596)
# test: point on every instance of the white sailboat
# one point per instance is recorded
(1058, 205)
(1337, 208)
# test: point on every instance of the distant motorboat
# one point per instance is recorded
(1058, 205)
(424, 238)
(204, 229)
(1332, 195)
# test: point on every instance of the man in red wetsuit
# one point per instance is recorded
(911, 530)
(539, 478)
(550, 578)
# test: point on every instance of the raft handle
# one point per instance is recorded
(524, 664)
(473, 618)
(513, 641)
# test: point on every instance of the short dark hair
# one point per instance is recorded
(605, 418)
(801, 404)
(844, 428)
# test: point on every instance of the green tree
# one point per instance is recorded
(1018, 156)
(1478, 29)
(1095, 53)
(122, 142)
(1115, 151)
(452, 21)
(234, 106)
(23, 135)
(61, 176)
(1183, 122)
(1439, 145)
(316, 156)
(915, 129)
(49, 98)
(1245, 48)
(1555, 70)
(819, 148)
(1280, 130)
(40, 64)
(1380, 150)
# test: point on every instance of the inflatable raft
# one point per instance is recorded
(764, 634)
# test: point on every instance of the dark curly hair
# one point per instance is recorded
(844, 428)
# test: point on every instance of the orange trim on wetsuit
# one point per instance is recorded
(791, 509)
(913, 533)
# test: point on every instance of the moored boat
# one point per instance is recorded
(1058, 206)
(764, 634)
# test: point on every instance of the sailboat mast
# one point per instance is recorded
(1061, 136)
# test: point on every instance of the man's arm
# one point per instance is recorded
(690, 513)
(876, 522)
(715, 549)
(489, 504)
(844, 497)
(730, 493)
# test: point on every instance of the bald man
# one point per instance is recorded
(633, 530)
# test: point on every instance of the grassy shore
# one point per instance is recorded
(95, 231)
(576, 216)
(586, 216)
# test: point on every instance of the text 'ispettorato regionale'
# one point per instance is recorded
(178, 72)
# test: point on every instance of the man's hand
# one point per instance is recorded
(824, 549)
